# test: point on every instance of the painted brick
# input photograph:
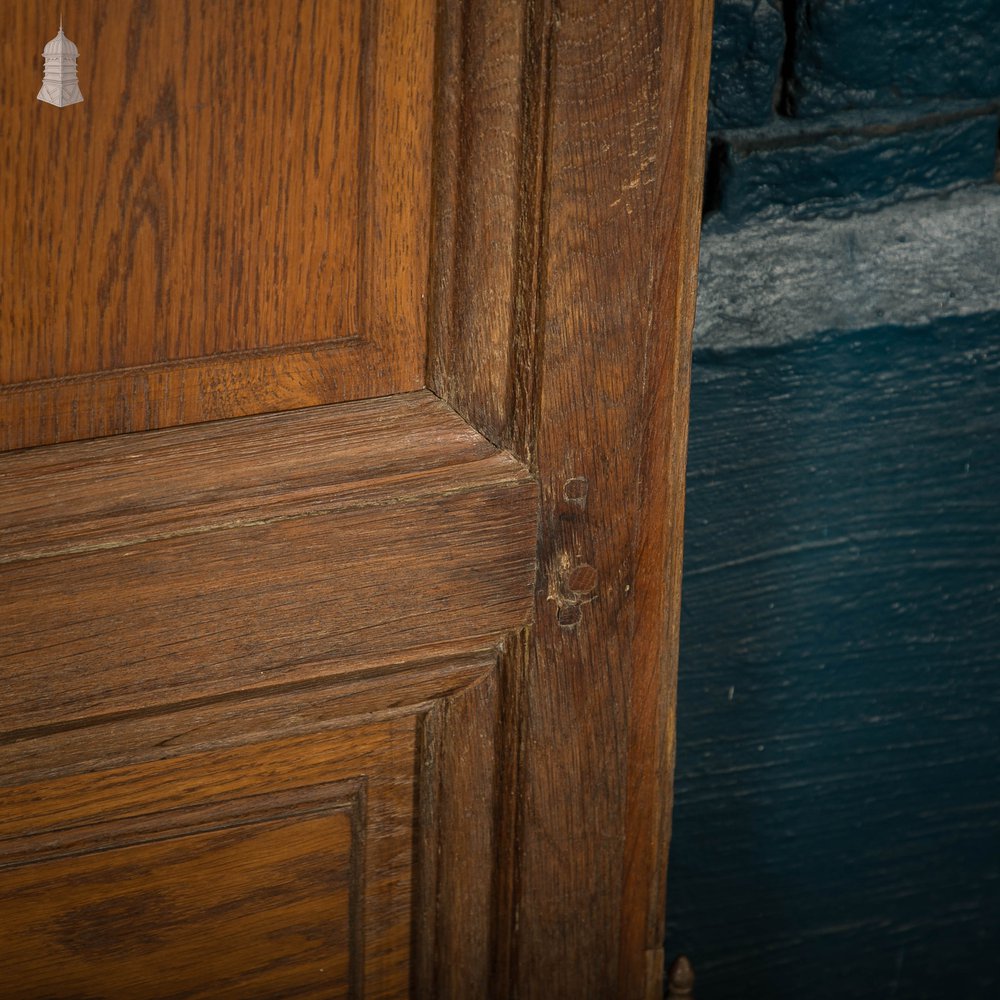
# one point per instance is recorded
(836, 819)
(865, 53)
(773, 280)
(837, 170)
(748, 40)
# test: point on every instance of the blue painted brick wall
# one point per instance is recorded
(837, 809)
(748, 44)
(852, 165)
(815, 101)
(877, 53)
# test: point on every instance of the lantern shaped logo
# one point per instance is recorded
(59, 85)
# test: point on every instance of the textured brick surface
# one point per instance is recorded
(844, 166)
(836, 820)
(774, 281)
(747, 45)
(836, 814)
(865, 53)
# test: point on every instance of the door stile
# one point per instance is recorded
(568, 166)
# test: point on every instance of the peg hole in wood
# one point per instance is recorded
(568, 615)
(575, 490)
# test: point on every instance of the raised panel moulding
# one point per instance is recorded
(254, 553)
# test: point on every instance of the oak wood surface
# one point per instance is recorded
(593, 349)
(458, 946)
(160, 758)
(309, 572)
(485, 167)
(243, 555)
(233, 221)
(276, 869)
(402, 684)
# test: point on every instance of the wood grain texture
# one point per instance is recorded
(191, 392)
(289, 547)
(240, 204)
(274, 565)
(457, 859)
(401, 684)
(486, 159)
(280, 868)
(59, 792)
(596, 346)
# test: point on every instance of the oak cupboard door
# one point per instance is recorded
(350, 673)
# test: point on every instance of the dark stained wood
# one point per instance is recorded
(400, 685)
(681, 63)
(594, 395)
(458, 861)
(275, 869)
(238, 618)
(485, 163)
(247, 554)
(234, 221)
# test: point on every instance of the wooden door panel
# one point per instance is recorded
(353, 852)
(193, 562)
(234, 220)
(266, 870)
(249, 730)
(148, 920)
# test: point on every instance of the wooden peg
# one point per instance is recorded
(680, 980)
